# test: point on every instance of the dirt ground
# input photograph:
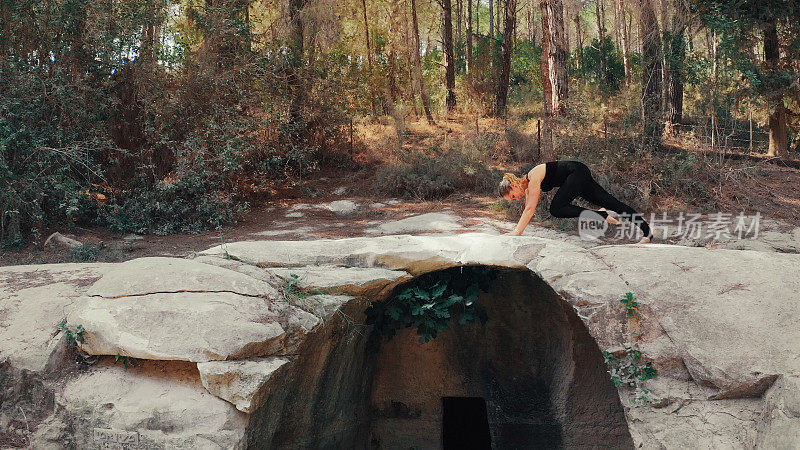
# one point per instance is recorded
(755, 186)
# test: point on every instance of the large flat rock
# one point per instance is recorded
(414, 254)
(180, 326)
(160, 275)
(33, 301)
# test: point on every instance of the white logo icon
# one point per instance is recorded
(591, 225)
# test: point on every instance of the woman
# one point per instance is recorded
(575, 180)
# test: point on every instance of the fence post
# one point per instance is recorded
(713, 131)
(539, 137)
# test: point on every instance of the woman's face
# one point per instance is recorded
(516, 193)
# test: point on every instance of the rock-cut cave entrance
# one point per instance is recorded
(533, 367)
(465, 423)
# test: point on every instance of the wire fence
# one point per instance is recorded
(728, 133)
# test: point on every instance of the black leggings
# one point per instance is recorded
(580, 183)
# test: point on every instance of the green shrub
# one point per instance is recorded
(88, 252)
(189, 204)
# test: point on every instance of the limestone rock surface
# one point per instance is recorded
(179, 326)
(153, 405)
(721, 326)
(239, 382)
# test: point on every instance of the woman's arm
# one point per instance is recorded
(531, 201)
(532, 195)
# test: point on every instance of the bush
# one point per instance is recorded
(426, 177)
(189, 204)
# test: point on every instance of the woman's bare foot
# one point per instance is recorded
(646, 240)
(610, 219)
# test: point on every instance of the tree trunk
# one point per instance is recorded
(778, 133)
(295, 57)
(411, 63)
(675, 63)
(531, 36)
(491, 41)
(625, 41)
(601, 33)
(546, 133)
(547, 86)
(665, 37)
(497, 24)
(418, 63)
(450, 64)
(491, 18)
(478, 17)
(459, 16)
(651, 73)
(579, 36)
(508, 48)
(469, 38)
(556, 53)
(565, 20)
(370, 81)
(617, 28)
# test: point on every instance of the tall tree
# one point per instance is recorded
(418, 65)
(556, 54)
(675, 60)
(491, 38)
(510, 14)
(546, 133)
(370, 74)
(411, 66)
(624, 35)
(651, 73)
(469, 38)
(778, 133)
(447, 43)
(578, 35)
(600, 13)
(459, 20)
(491, 18)
(295, 58)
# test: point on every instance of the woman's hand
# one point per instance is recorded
(512, 233)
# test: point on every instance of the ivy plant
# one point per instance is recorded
(431, 301)
(631, 371)
(631, 305)
(75, 337)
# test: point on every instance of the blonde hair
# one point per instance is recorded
(509, 180)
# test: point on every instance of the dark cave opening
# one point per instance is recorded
(540, 372)
(534, 364)
(465, 424)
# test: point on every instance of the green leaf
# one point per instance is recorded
(421, 294)
(438, 290)
(472, 293)
(394, 312)
(453, 299)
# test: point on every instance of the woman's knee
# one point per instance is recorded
(559, 211)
